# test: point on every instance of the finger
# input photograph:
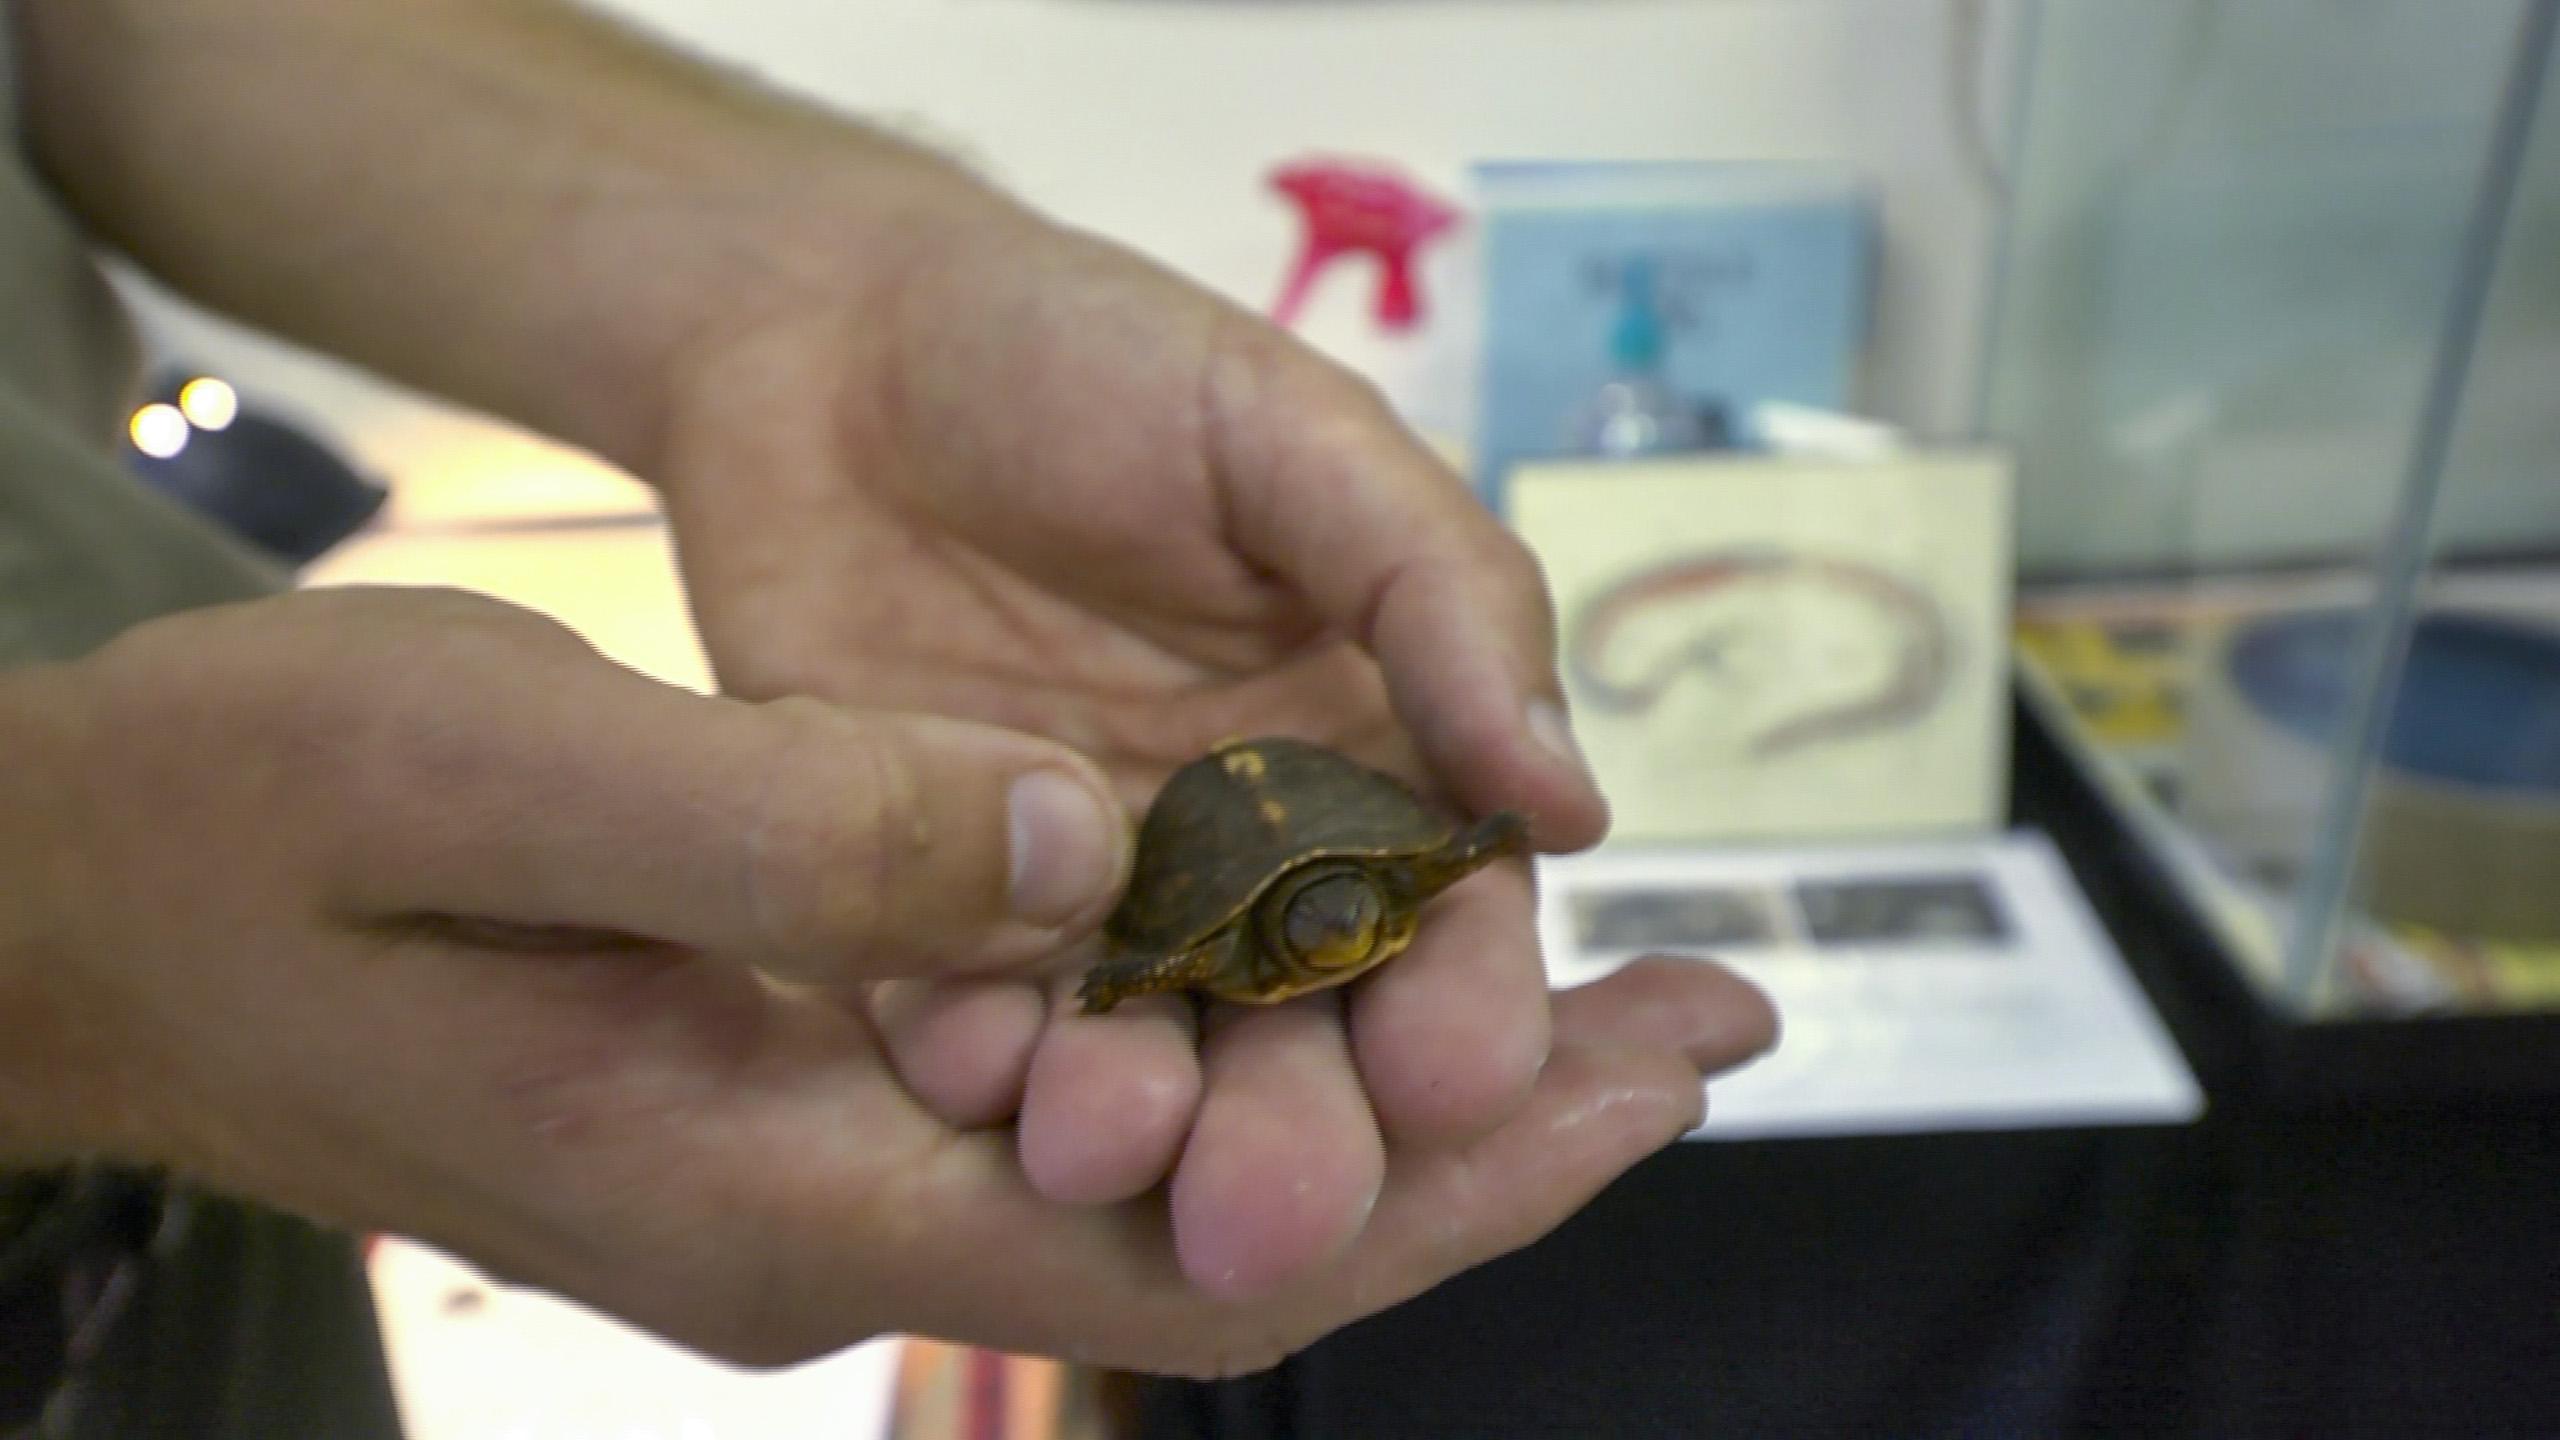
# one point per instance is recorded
(1285, 1159)
(1329, 490)
(844, 1217)
(963, 1048)
(1697, 1008)
(1110, 1098)
(1107, 1288)
(1450, 1035)
(1596, 1113)
(828, 845)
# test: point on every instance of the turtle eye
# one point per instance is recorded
(1334, 923)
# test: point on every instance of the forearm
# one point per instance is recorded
(506, 202)
(54, 1076)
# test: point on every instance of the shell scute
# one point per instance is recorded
(1230, 823)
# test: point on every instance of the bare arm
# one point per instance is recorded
(512, 203)
(52, 1078)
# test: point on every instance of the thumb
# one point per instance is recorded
(822, 844)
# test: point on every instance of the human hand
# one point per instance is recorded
(1025, 477)
(410, 912)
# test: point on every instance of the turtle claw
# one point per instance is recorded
(1505, 832)
(1502, 834)
(1098, 994)
(1126, 976)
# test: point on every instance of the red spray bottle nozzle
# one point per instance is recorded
(1350, 209)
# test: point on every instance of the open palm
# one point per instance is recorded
(1048, 485)
(1029, 479)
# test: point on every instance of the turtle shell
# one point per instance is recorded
(1231, 822)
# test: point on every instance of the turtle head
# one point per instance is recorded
(1328, 923)
(1334, 922)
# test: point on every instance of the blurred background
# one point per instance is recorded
(2257, 304)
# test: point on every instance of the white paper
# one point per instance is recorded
(472, 1360)
(1933, 986)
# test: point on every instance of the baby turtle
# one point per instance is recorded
(1270, 868)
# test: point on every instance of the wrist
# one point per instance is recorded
(742, 209)
(852, 219)
(53, 1071)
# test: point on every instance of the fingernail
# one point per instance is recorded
(1547, 722)
(1064, 849)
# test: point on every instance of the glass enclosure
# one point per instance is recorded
(2276, 338)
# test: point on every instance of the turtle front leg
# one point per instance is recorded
(1489, 840)
(1126, 975)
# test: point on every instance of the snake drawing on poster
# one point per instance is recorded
(1771, 648)
(1890, 631)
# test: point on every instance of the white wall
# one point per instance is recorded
(1154, 121)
